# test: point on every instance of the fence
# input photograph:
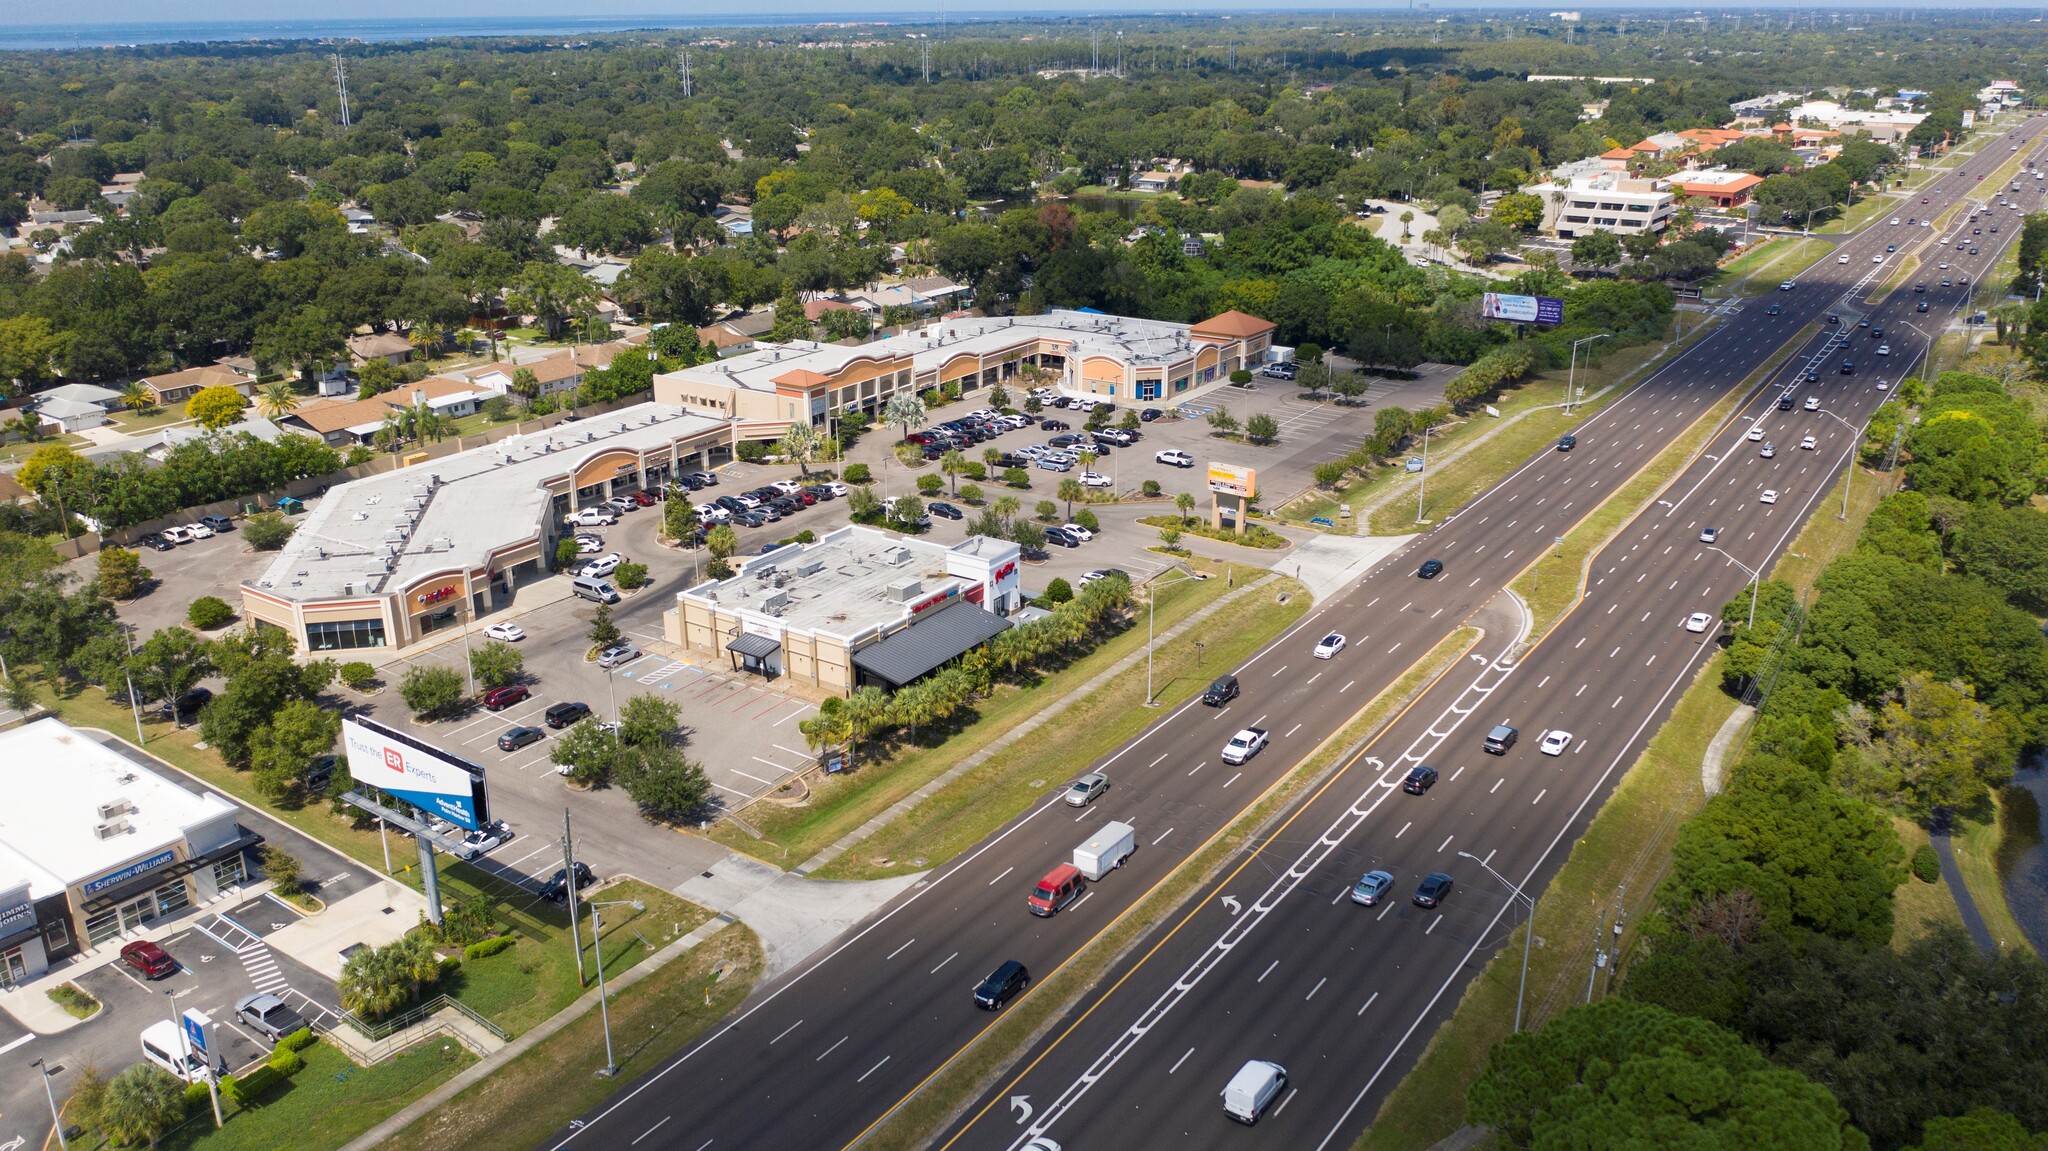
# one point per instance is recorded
(387, 1037)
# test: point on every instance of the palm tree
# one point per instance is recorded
(429, 424)
(1006, 508)
(136, 397)
(906, 410)
(800, 443)
(276, 399)
(1184, 503)
(953, 463)
(1071, 490)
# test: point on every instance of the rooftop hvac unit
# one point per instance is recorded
(810, 567)
(111, 828)
(895, 556)
(905, 590)
(348, 589)
(117, 807)
(774, 602)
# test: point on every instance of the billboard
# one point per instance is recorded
(1522, 309)
(1233, 480)
(428, 778)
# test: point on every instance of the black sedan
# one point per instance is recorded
(1435, 886)
(155, 543)
(1430, 569)
(519, 737)
(556, 889)
(945, 510)
(1421, 778)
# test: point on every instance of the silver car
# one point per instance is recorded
(1086, 788)
(268, 1015)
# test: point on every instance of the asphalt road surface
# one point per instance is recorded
(1274, 962)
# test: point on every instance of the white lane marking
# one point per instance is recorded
(999, 878)
(1267, 971)
(785, 1031)
(899, 951)
(650, 1130)
(1369, 999)
(943, 962)
(1179, 1061)
(1446, 843)
(831, 1049)
(872, 1070)
(1539, 797)
(1404, 829)
(1318, 987)
(1162, 835)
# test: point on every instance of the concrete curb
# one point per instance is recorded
(483, 1068)
(852, 838)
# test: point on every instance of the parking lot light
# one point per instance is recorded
(62, 1143)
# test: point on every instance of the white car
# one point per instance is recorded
(1698, 621)
(1877, 259)
(713, 514)
(199, 531)
(509, 632)
(787, 487)
(1843, 259)
(588, 545)
(1756, 432)
(177, 535)
(837, 489)
(1244, 745)
(1709, 535)
(1884, 349)
(1944, 266)
(601, 566)
(1096, 480)
(599, 516)
(1079, 532)
(1895, 221)
(1769, 452)
(1770, 496)
(1178, 459)
(1331, 645)
(1813, 403)
(1555, 742)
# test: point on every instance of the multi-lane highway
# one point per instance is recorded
(1285, 968)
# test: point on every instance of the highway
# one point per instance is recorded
(817, 1057)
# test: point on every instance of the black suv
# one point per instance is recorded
(1421, 778)
(557, 889)
(1221, 692)
(1001, 985)
(562, 715)
(1501, 738)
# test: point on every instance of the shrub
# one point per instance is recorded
(267, 531)
(806, 536)
(565, 554)
(209, 612)
(428, 691)
(496, 663)
(1017, 477)
(1926, 864)
(976, 470)
(196, 1094)
(1057, 592)
(1087, 519)
(1151, 489)
(449, 964)
(357, 674)
(247, 1089)
(484, 949)
(286, 1062)
(1048, 510)
(858, 474)
(929, 485)
(299, 1040)
(751, 451)
(972, 493)
(630, 575)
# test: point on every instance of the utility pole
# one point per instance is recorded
(569, 872)
(341, 87)
(683, 72)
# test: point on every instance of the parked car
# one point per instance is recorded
(1096, 480)
(518, 737)
(597, 516)
(556, 889)
(147, 958)
(708, 479)
(268, 1016)
(508, 632)
(500, 698)
(945, 510)
(186, 704)
(178, 535)
(618, 655)
(562, 715)
(601, 566)
(1102, 574)
(1062, 537)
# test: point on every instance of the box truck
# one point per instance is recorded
(1106, 850)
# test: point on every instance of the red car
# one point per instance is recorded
(806, 497)
(643, 499)
(152, 961)
(503, 697)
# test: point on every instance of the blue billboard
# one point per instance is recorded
(1522, 309)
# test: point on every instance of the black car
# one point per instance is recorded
(691, 482)
(155, 543)
(519, 737)
(820, 493)
(1430, 569)
(1011, 460)
(1848, 367)
(787, 505)
(1421, 778)
(1877, 333)
(556, 890)
(1435, 886)
(1062, 538)
(943, 509)
(1055, 425)
(1001, 985)
(562, 715)
(1567, 442)
(729, 503)
(187, 704)
(1150, 414)
(318, 773)
(1221, 692)
(1922, 307)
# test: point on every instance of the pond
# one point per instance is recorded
(2026, 882)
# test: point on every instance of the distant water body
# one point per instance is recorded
(47, 37)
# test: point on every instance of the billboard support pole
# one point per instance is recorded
(569, 873)
(430, 880)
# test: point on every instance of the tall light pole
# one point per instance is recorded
(1571, 387)
(611, 1066)
(1849, 473)
(134, 705)
(1756, 580)
(1151, 617)
(1528, 931)
(1422, 477)
(56, 1119)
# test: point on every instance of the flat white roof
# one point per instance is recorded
(850, 582)
(57, 779)
(450, 514)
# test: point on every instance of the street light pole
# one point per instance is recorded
(135, 706)
(56, 1119)
(1422, 477)
(1755, 581)
(1848, 473)
(1528, 932)
(1571, 387)
(1151, 618)
(611, 1066)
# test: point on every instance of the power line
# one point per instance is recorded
(341, 86)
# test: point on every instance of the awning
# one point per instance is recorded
(754, 646)
(155, 879)
(943, 635)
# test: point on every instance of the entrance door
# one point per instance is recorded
(137, 912)
(17, 968)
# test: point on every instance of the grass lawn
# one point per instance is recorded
(974, 1068)
(535, 1095)
(1860, 213)
(1735, 271)
(136, 423)
(789, 834)
(516, 988)
(329, 1103)
(1826, 538)
(966, 811)
(22, 449)
(1986, 847)
(1792, 257)
(1919, 907)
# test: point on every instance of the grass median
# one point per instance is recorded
(789, 833)
(944, 1096)
(535, 1095)
(1792, 258)
(972, 807)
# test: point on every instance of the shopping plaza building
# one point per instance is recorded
(95, 850)
(1121, 359)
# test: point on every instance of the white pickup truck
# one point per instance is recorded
(1244, 745)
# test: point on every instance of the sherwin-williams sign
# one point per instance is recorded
(428, 778)
(116, 878)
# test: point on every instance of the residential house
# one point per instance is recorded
(938, 291)
(169, 438)
(356, 421)
(391, 347)
(177, 387)
(74, 408)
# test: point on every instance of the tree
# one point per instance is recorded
(1932, 746)
(1262, 429)
(429, 691)
(1047, 510)
(907, 510)
(1983, 1129)
(1519, 210)
(858, 474)
(801, 443)
(971, 493)
(170, 662)
(54, 472)
(216, 407)
(377, 981)
(954, 464)
(496, 664)
(299, 732)
(722, 541)
(2007, 547)
(648, 720)
(929, 486)
(551, 293)
(88, 1095)
(276, 399)
(141, 1103)
(603, 632)
(282, 868)
(209, 612)
(30, 349)
(1017, 477)
(667, 787)
(1184, 502)
(1070, 490)
(1057, 592)
(1619, 1071)
(267, 531)
(1223, 422)
(906, 410)
(591, 754)
(1169, 538)
(121, 574)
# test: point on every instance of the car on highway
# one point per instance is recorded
(1698, 621)
(268, 1016)
(1430, 569)
(1555, 742)
(151, 961)
(1501, 738)
(1221, 691)
(617, 655)
(1768, 451)
(1808, 443)
(1785, 286)
(1567, 442)
(556, 889)
(1709, 535)
(1371, 887)
(1770, 496)
(500, 698)
(518, 737)
(1083, 791)
(1771, 311)
(1001, 985)
(1813, 403)
(1330, 645)
(1756, 431)
(1895, 221)
(1434, 889)
(1848, 367)
(508, 632)
(1247, 743)
(1419, 779)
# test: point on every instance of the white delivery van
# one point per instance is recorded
(1253, 1089)
(1106, 850)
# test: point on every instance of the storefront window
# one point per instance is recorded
(229, 872)
(172, 898)
(102, 927)
(344, 635)
(56, 936)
